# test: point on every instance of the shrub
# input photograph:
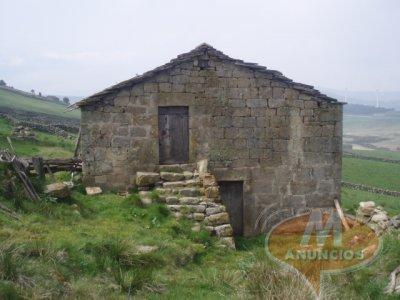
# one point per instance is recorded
(10, 262)
(266, 282)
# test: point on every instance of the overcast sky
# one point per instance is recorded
(83, 46)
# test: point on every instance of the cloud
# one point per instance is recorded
(11, 61)
(90, 56)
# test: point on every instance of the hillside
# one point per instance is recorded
(47, 145)
(8, 99)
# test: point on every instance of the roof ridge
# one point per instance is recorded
(199, 50)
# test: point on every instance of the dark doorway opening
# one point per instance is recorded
(232, 197)
(173, 134)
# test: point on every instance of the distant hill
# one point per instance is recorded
(386, 99)
(360, 109)
(10, 99)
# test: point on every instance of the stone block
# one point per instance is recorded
(150, 87)
(147, 178)
(223, 230)
(171, 200)
(58, 190)
(217, 219)
(189, 200)
(256, 102)
(302, 187)
(275, 103)
(171, 176)
(215, 210)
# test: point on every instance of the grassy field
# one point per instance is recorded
(87, 248)
(47, 145)
(351, 199)
(12, 100)
(373, 173)
(379, 153)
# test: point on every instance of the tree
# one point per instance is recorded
(40, 94)
(66, 100)
(33, 91)
(2, 82)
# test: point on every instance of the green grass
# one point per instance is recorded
(47, 145)
(351, 199)
(86, 248)
(13, 100)
(373, 173)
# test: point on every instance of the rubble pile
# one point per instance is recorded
(376, 217)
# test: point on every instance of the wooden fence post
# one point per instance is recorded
(38, 166)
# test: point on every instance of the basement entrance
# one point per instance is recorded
(232, 197)
(173, 134)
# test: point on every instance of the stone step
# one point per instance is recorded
(177, 168)
(187, 208)
(183, 183)
(190, 191)
(171, 176)
(190, 200)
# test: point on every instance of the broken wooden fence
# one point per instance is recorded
(42, 166)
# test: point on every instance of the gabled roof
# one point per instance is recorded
(199, 51)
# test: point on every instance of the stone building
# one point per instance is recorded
(271, 143)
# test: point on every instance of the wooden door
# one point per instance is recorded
(232, 197)
(173, 134)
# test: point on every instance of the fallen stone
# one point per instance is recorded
(379, 217)
(147, 178)
(58, 190)
(93, 190)
(144, 249)
(146, 201)
(367, 207)
(170, 176)
(395, 222)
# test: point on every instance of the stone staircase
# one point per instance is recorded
(190, 192)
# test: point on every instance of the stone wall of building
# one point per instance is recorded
(283, 143)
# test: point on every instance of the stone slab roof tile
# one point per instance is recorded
(204, 49)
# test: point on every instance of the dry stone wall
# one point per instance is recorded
(283, 143)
